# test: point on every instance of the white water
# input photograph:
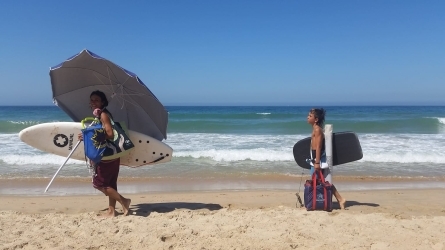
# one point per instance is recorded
(239, 153)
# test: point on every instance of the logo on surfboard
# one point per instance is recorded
(60, 140)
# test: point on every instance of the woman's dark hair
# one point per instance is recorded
(104, 100)
(319, 114)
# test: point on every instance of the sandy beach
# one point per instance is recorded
(377, 219)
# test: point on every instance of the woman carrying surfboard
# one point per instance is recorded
(107, 171)
(316, 118)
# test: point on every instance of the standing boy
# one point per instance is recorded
(316, 119)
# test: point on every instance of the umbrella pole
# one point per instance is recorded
(67, 158)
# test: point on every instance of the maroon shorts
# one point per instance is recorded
(106, 174)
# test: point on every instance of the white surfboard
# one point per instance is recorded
(59, 138)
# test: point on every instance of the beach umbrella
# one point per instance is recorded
(130, 101)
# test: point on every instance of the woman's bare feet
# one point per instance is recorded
(109, 214)
(342, 203)
(126, 206)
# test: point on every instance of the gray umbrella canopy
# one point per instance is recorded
(130, 101)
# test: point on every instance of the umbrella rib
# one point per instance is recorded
(121, 88)
(112, 82)
(119, 98)
(112, 90)
(109, 68)
(110, 86)
(122, 100)
(119, 83)
(89, 70)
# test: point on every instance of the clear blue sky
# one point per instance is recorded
(235, 52)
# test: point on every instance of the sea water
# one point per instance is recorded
(250, 141)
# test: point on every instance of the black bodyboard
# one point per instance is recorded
(346, 148)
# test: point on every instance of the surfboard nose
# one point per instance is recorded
(22, 134)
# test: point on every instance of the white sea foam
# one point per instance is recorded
(441, 120)
(286, 155)
(25, 122)
(401, 148)
(235, 150)
(418, 157)
(15, 152)
(232, 155)
(263, 113)
(37, 160)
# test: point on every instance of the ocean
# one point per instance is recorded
(251, 142)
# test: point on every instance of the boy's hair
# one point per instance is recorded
(319, 114)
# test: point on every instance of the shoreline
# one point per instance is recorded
(63, 186)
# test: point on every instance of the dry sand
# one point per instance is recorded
(384, 219)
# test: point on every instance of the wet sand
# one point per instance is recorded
(82, 186)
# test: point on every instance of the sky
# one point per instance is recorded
(235, 52)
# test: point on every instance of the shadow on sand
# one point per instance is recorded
(145, 209)
(354, 203)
